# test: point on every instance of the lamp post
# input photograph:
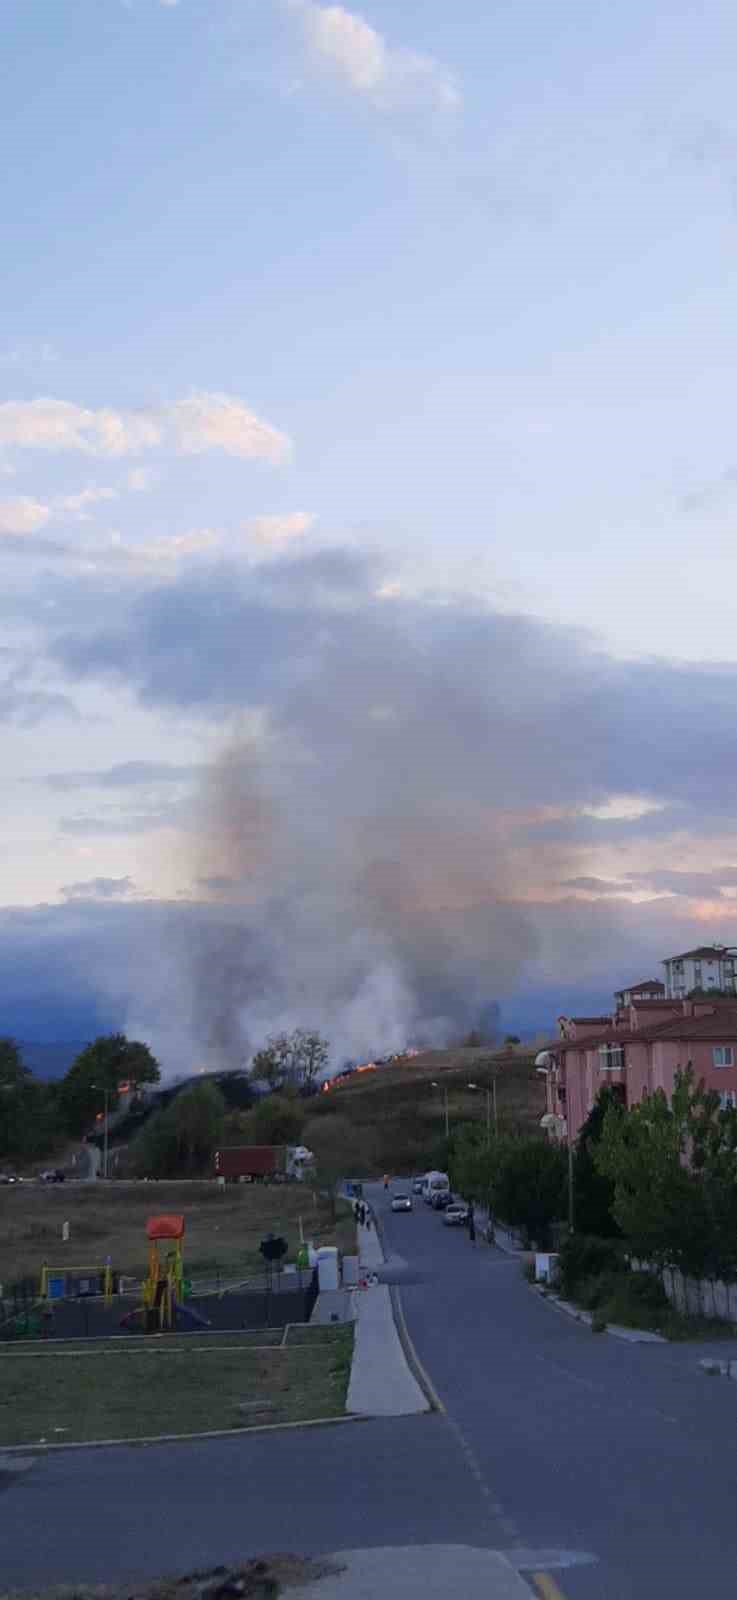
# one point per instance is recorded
(106, 1092)
(435, 1085)
(490, 1101)
(545, 1064)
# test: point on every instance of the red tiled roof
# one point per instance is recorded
(722, 1026)
(647, 983)
(582, 1020)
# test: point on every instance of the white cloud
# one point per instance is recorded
(77, 504)
(200, 422)
(360, 58)
(277, 530)
(23, 515)
(221, 422)
(48, 424)
(139, 479)
(168, 549)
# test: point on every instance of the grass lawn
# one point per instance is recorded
(99, 1389)
(223, 1226)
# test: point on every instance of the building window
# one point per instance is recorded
(611, 1058)
(727, 1098)
(722, 1055)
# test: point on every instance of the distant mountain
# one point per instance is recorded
(50, 1060)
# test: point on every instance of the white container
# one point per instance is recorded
(546, 1267)
(327, 1267)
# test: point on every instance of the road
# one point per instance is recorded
(551, 1439)
(583, 1444)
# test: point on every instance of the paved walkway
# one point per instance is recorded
(434, 1572)
(381, 1383)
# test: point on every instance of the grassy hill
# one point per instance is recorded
(399, 1118)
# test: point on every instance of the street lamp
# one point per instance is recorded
(545, 1064)
(106, 1091)
(490, 1101)
(435, 1085)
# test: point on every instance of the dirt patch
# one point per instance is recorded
(262, 1578)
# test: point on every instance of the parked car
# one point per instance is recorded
(442, 1199)
(52, 1175)
(7, 1177)
(417, 1185)
(401, 1202)
(455, 1216)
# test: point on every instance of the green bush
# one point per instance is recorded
(584, 1256)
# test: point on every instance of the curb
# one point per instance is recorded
(179, 1438)
(617, 1331)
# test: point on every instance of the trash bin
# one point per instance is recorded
(327, 1268)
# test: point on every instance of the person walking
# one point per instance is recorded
(386, 1180)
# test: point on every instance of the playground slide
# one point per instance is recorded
(194, 1316)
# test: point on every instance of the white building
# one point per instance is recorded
(711, 966)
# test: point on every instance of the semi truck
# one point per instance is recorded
(244, 1163)
(251, 1162)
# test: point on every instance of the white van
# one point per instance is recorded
(434, 1183)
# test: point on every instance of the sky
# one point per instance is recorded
(367, 513)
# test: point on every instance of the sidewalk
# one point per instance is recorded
(420, 1572)
(381, 1384)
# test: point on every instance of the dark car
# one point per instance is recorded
(53, 1175)
(441, 1199)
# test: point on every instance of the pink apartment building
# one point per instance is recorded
(640, 1047)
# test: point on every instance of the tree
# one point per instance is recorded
(182, 1138)
(471, 1162)
(593, 1189)
(291, 1060)
(511, 1040)
(674, 1170)
(277, 1119)
(197, 1116)
(340, 1150)
(27, 1121)
(108, 1062)
(529, 1185)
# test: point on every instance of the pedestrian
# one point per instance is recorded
(369, 1219)
(471, 1225)
(362, 1214)
(386, 1180)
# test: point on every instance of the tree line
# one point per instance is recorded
(658, 1181)
(35, 1115)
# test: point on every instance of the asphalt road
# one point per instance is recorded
(584, 1444)
(552, 1439)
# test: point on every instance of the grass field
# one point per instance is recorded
(223, 1226)
(59, 1394)
(403, 1116)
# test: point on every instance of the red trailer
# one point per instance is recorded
(250, 1161)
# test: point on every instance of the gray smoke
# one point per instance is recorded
(406, 776)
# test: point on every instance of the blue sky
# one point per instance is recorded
(366, 392)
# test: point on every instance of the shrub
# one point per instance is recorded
(584, 1256)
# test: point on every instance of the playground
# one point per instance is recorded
(87, 1354)
(73, 1301)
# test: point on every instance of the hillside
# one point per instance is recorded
(399, 1118)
